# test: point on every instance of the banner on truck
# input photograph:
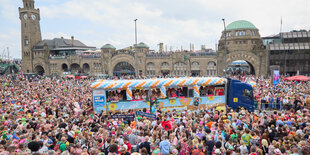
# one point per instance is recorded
(125, 117)
(99, 100)
(139, 113)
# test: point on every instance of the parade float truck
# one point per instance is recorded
(187, 93)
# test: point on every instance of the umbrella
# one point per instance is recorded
(252, 83)
(298, 78)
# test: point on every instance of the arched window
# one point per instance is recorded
(179, 69)
(195, 65)
(165, 64)
(150, 69)
(211, 68)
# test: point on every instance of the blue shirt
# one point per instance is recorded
(164, 147)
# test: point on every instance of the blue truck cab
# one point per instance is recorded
(239, 95)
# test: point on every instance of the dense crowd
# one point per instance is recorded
(54, 116)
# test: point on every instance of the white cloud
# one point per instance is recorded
(51, 35)
(175, 22)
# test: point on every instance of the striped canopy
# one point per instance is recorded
(157, 83)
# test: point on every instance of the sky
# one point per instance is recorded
(176, 23)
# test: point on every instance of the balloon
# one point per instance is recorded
(166, 125)
(153, 110)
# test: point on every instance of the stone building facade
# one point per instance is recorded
(289, 52)
(241, 41)
(59, 55)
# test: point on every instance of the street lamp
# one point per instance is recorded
(225, 47)
(135, 46)
(224, 36)
(136, 31)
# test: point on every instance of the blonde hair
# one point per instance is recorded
(241, 142)
(265, 142)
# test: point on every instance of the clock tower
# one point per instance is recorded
(30, 33)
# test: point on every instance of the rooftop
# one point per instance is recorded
(107, 46)
(61, 44)
(296, 34)
(240, 24)
(142, 45)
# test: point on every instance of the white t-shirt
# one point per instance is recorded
(243, 150)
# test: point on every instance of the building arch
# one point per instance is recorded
(86, 68)
(121, 58)
(245, 44)
(123, 68)
(75, 68)
(39, 70)
(165, 69)
(165, 64)
(64, 67)
(251, 59)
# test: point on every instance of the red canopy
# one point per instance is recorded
(298, 78)
(70, 76)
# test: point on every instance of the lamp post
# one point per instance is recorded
(225, 47)
(224, 36)
(135, 46)
(135, 31)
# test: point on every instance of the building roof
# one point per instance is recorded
(142, 45)
(240, 24)
(60, 44)
(289, 46)
(295, 34)
(108, 46)
(272, 36)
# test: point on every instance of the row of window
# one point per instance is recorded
(242, 42)
(288, 52)
(53, 66)
(240, 33)
(179, 72)
(150, 72)
(142, 95)
(179, 64)
(209, 72)
(97, 65)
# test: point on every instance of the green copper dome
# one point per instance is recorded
(240, 24)
(107, 46)
(142, 45)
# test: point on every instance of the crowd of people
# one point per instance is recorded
(55, 116)
(281, 96)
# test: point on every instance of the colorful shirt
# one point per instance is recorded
(246, 138)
